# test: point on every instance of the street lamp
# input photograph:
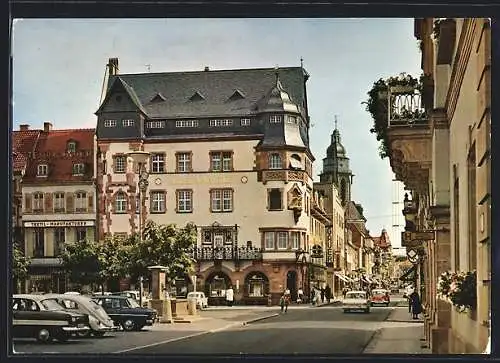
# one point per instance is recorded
(141, 157)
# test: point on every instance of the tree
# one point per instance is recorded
(80, 260)
(20, 264)
(166, 245)
(113, 257)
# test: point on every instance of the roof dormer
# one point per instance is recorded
(71, 146)
(237, 95)
(197, 96)
(158, 98)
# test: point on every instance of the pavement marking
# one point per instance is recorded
(162, 342)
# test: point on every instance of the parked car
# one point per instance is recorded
(126, 312)
(134, 294)
(99, 320)
(356, 300)
(44, 319)
(380, 297)
(201, 299)
(72, 293)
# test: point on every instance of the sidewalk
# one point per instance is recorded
(400, 338)
(270, 308)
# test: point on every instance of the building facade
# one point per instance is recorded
(229, 151)
(445, 162)
(58, 201)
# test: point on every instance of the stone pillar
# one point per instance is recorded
(158, 301)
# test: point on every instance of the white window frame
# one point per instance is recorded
(81, 203)
(158, 163)
(158, 202)
(157, 124)
(275, 119)
(216, 161)
(71, 147)
(290, 119)
(59, 201)
(184, 201)
(128, 122)
(221, 122)
(120, 164)
(38, 201)
(245, 122)
(221, 200)
(183, 162)
(121, 203)
(282, 240)
(227, 160)
(295, 240)
(227, 200)
(275, 161)
(186, 123)
(42, 170)
(78, 169)
(109, 123)
(269, 241)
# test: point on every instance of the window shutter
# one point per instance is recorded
(48, 202)
(70, 203)
(91, 202)
(27, 203)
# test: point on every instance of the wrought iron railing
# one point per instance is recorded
(226, 253)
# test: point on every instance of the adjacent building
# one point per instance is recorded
(229, 151)
(58, 197)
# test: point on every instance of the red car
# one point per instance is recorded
(380, 297)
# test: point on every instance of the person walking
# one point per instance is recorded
(284, 302)
(322, 294)
(300, 298)
(229, 296)
(416, 305)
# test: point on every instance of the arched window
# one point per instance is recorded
(275, 161)
(120, 202)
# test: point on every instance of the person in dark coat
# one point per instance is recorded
(416, 306)
(328, 293)
(322, 295)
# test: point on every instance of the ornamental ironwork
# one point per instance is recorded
(228, 253)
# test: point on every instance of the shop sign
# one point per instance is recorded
(48, 224)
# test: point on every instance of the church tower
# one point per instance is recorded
(336, 167)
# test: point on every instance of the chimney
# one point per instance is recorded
(207, 68)
(24, 127)
(47, 126)
(113, 66)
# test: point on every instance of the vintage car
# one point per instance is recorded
(201, 299)
(126, 312)
(134, 294)
(356, 300)
(99, 320)
(380, 297)
(35, 316)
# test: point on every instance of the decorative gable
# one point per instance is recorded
(197, 96)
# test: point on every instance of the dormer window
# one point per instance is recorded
(109, 123)
(237, 95)
(43, 170)
(291, 119)
(275, 161)
(275, 119)
(71, 146)
(197, 96)
(245, 122)
(128, 123)
(78, 169)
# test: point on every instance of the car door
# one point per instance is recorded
(112, 308)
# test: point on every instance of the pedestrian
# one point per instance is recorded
(313, 296)
(300, 298)
(229, 296)
(322, 294)
(284, 302)
(328, 293)
(416, 306)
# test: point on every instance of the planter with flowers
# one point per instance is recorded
(460, 289)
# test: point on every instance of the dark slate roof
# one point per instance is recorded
(216, 87)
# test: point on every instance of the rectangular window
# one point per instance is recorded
(221, 161)
(39, 245)
(38, 202)
(221, 200)
(59, 239)
(155, 124)
(456, 217)
(59, 202)
(78, 169)
(245, 122)
(183, 162)
(295, 242)
(120, 203)
(220, 123)
(282, 240)
(42, 170)
(291, 119)
(128, 123)
(81, 234)
(186, 123)
(81, 202)
(158, 202)
(184, 201)
(472, 210)
(274, 199)
(269, 240)
(137, 204)
(158, 163)
(109, 123)
(120, 164)
(275, 119)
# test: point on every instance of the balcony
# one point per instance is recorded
(227, 253)
(283, 175)
(409, 136)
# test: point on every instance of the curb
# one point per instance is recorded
(372, 342)
(259, 319)
(406, 321)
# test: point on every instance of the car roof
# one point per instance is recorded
(110, 296)
(356, 292)
(30, 296)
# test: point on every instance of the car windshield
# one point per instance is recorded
(132, 303)
(51, 304)
(356, 296)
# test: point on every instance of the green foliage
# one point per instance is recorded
(80, 260)
(20, 263)
(459, 288)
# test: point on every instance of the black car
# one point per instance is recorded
(126, 312)
(34, 316)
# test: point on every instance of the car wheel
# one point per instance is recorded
(43, 335)
(63, 336)
(138, 327)
(98, 334)
(128, 325)
(83, 334)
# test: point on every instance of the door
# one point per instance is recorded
(218, 245)
(291, 284)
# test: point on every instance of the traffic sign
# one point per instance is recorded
(411, 253)
(413, 260)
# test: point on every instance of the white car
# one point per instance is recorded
(201, 299)
(356, 300)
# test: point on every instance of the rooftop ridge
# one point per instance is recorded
(204, 72)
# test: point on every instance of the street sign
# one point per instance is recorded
(426, 236)
(413, 260)
(413, 244)
(411, 239)
(411, 253)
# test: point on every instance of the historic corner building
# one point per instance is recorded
(57, 192)
(229, 151)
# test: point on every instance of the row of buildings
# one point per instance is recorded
(444, 160)
(227, 150)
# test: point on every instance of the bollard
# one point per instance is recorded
(191, 305)
(167, 312)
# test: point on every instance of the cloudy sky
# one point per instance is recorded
(59, 67)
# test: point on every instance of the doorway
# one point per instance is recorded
(291, 284)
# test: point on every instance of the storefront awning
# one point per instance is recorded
(343, 277)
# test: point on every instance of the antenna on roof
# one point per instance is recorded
(148, 66)
(335, 122)
(301, 62)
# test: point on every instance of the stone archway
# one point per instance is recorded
(216, 285)
(256, 289)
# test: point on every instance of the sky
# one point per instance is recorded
(59, 66)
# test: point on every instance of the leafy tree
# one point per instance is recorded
(166, 245)
(113, 256)
(20, 264)
(80, 260)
